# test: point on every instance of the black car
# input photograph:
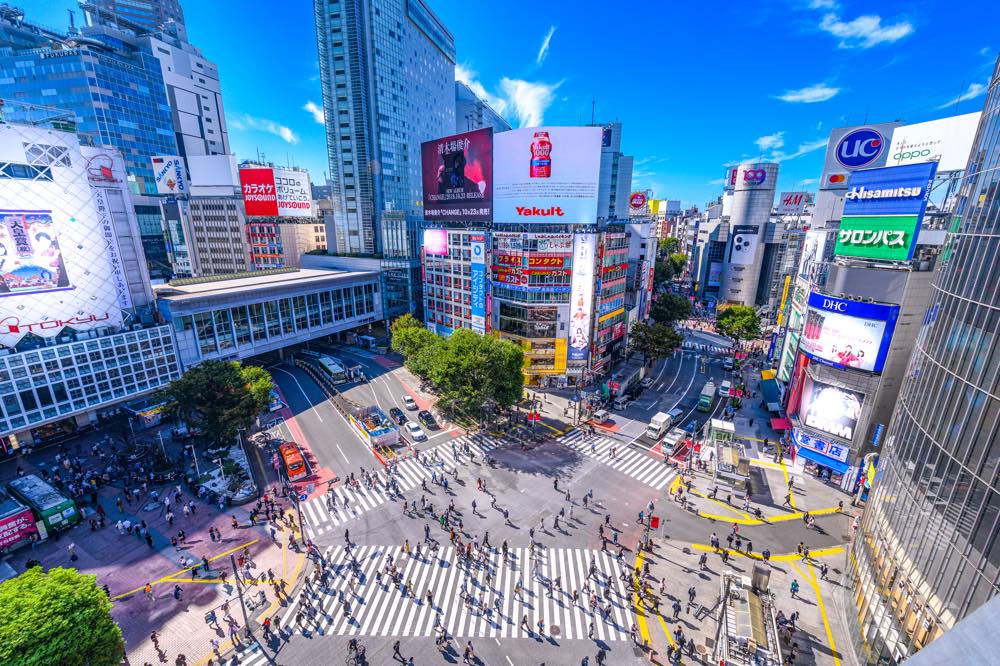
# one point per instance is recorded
(427, 419)
(397, 415)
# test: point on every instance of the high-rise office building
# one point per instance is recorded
(387, 70)
(139, 15)
(927, 554)
(472, 112)
(751, 210)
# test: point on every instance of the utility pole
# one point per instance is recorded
(239, 590)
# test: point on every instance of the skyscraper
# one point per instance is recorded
(147, 15)
(927, 553)
(387, 70)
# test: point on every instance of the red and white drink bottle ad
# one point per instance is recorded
(541, 156)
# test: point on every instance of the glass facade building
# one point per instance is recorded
(928, 550)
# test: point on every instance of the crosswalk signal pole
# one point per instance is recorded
(239, 590)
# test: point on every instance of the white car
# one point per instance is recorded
(409, 403)
(416, 432)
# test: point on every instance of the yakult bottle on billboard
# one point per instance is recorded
(541, 156)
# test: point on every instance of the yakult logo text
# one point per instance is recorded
(551, 211)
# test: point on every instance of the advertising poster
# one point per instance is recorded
(947, 141)
(830, 409)
(547, 175)
(813, 248)
(848, 334)
(259, 195)
(436, 242)
(791, 203)
(457, 174)
(883, 210)
(743, 246)
(112, 251)
(30, 258)
(168, 174)
(16, 528)
(582, 296)
(851, 148)
(477, 274)
(562, 243)
(513, 242)
(714, 274)
(293, 193)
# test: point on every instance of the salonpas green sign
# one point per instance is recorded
(886, 237)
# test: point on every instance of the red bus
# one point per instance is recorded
(295, 464)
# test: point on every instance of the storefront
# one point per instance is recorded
(824, 460)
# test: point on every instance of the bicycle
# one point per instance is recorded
(356, 657)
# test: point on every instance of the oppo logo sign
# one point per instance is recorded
(912, 154)
(835, 306)
(754, 176)
(860, 148)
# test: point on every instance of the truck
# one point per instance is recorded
(707, 397)
(657, 425)
(374, 428)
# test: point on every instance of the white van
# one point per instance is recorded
(621, 402)
(600, 416)
(724, 388)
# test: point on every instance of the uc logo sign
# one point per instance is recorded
(754, 176)
(860, 148)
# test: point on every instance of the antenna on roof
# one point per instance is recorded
(593, 108)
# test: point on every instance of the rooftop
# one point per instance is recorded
(185, 290)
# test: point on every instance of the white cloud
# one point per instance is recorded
(528, 100)
(525, 101)
(316, 111)
(973, 91)
(771, 141)
(806, 182)
(544, 50)
(803, 149)
(244, 121)
(865, 31)
(819, 125)
(823, 4)
(818, 92)
(986, 52)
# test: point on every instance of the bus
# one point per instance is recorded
(295, 464)
(55, 510)
(332, 367)
(706, 398)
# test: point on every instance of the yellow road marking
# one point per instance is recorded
(637, 601)
(764, 463)
(666, 630)
(790, 557)
(814, 584)
(785, 517)
(171, 577)
(791, 495)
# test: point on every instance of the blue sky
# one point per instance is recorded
(696, 84)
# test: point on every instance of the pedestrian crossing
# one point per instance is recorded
(700, 346)
(469, 600)
(323, 514)
(641, 467)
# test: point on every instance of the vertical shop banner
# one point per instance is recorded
(168, 174)
(457, 174)
(112, 251)
(259, 195)
(477, 274)
(582, 296)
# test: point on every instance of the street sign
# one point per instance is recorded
(654, 522)
(303, 497)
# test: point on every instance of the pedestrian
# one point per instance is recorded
(72, 552)
(766, 556)
(395, 652)
(149, 539)
(795, 589)
(823, 569)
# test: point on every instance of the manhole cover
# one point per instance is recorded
(555, 630)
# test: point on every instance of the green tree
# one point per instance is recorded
(669, 245)
(411, 341)
(739, 322)
(670, 308)
(57, 617)
(654, 341)
(678, 262)
(219, 397)
(663, 273)
(470, 370)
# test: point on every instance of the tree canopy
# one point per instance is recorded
(57, 617)
(678, 261)
(219, 397)
(670, 308)
(409, 337)
(739, 322)
(663, 273)
(669, 245)
(654, 341)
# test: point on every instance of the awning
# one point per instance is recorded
(820, 459)
(771, 394)
(781, 424)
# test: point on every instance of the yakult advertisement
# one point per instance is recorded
(547, 174)
(458, 177)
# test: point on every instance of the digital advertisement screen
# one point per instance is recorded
(848, 334)
(830, 409)
(436, 241)
(477, 274)
(457, 173)
(547, 175)
(582, 296)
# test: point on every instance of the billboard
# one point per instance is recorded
(947, 141)
(830, 409)
(714, 274)
(851, 148)
(457, 174)
(581, 296)
(54, 258)
(477, 287)
(293, 191)
(743, 246)
(791, 203)
(169, 175)
(16, 527)
(547, 175)
(436, 241)
(259, 197)
(848, 334)
(637, 201)
(882, 212)
(829, 449)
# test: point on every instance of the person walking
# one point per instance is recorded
(795, 589)
(396, 653)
